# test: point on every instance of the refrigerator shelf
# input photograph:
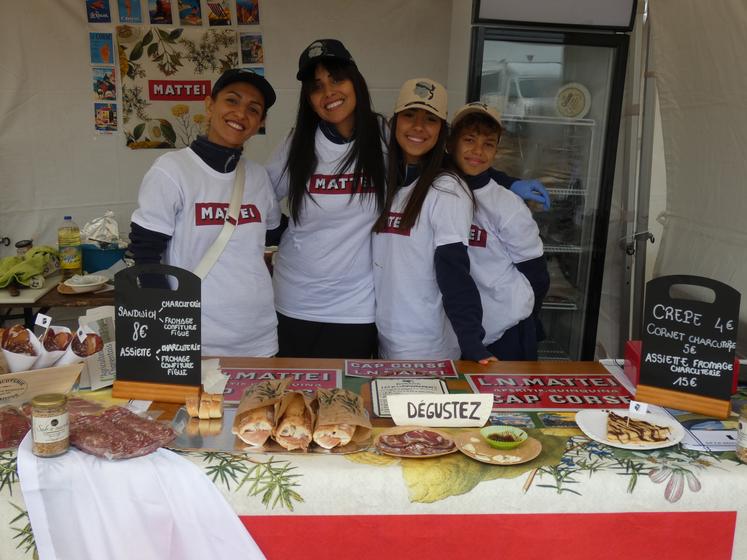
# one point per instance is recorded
(551, 350)
(566, 192)
(559, 306)
(576, 249)
(550, 120)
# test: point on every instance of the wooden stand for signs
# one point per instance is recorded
(687, 353)
(161, 392)
(158, 335)
(683, 401)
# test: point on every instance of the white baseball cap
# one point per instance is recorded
(423, 93)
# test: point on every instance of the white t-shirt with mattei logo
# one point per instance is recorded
(503, 233)
(183, 197)
(323, 271)
(410, 315)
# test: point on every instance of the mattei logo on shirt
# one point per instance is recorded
(394, 224)
(214, 213)
(478, 237)
(338, 184)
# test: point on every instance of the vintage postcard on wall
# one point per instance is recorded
(129, 11)
(247, 12)
(251, 48)
(219, 13)
(190, 12)
(104, 83)
(98, 11)
(101, 47)
(159, 12)
(105, 117)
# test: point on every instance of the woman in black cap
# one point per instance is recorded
(331, 168)
(183, 204)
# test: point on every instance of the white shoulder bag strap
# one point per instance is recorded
(232, 218)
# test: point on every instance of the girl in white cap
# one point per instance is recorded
(427, 305)
(331, 168)
(505, 249)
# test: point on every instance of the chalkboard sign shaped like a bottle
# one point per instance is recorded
(688, 344)
(157, 332)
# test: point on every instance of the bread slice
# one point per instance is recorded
(216, 405)
(193, 405)
(621, 429)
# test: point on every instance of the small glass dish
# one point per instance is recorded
(503, 437)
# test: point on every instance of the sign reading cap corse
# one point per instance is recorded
(157, 329)
(689, 341)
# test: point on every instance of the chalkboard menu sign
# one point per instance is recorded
(688, 344)
(157, 329)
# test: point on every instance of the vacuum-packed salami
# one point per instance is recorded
(13, 426)
(118, 433)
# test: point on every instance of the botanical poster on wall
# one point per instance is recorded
(166, 75)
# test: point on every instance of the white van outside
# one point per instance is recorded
(522, 89)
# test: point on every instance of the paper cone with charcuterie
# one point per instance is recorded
(88, 348)
(255, 416)
(340, 419)
(295, 421)
(81, 347)
(20, 347)
(54, 344)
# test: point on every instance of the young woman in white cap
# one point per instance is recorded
(331, 168)
(183, 202)
(427, 305)
(505, 249)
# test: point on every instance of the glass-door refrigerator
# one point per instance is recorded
(560, 91)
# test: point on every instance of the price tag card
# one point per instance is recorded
(381, 388)
(157, 329)
(689, 336)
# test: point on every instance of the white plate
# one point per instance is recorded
(88, 283)
(594, 424)
(573, 101)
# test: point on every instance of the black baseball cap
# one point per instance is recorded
(321, 49)
(248, 76)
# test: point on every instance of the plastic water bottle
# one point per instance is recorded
(68, 241)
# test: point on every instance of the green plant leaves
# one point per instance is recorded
(137, 51)
(138, 131)
(168, 131)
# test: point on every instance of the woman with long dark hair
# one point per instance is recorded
(331, 168)
(427, 305)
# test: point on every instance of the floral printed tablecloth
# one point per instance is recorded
(573, 474)
(665, 503)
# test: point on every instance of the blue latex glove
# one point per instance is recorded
(532, 189)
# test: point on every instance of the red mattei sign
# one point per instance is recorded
(544, 392)
(178, 90)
